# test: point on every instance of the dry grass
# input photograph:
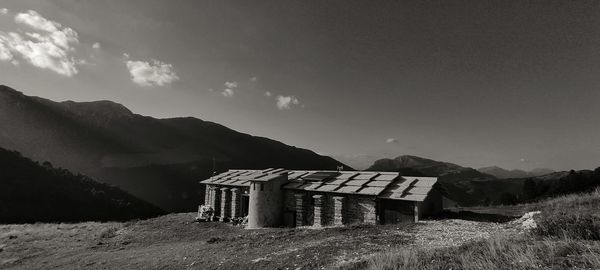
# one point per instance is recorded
(566, 238)
(176, 242)
(575, 216)
(498, 252)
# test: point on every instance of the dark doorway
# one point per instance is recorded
(245, 205)
(395, 211)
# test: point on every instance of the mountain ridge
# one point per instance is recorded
(502, 173)
(158, 160)
(33, 192)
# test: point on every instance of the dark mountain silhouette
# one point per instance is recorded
(30, 192)
(448, 172)
(463, 185)
(468, 186)
(557, 184)
(501, 173)
(158, 160)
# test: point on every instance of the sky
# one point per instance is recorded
(509, 83)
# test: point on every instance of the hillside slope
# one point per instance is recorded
(463, 185)
(30, 192)
(561, 233)
(470, 187)
(502, 173)
(158, 160)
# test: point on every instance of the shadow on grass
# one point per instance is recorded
(474, 216)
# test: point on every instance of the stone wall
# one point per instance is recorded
(333, 209)
(289, 209)
(359, 209)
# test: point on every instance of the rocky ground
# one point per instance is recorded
(176, 242)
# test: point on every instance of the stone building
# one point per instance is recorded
(278, 197)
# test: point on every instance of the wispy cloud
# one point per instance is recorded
(3, 11)
(253, 79)
(96, 46)
(233, 84)
(391, 140)
(268, 93)
(229, 89)
(227, 92)
(286, 102)
(47, 44)
(150, 73)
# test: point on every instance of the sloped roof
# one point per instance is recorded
(409, 189)
(386, 185)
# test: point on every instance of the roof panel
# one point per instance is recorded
(218, 181)
(386, 177)
(320, 176)
(277, 170)
(252, 176)
(348, 189)
(356, 182)
(371, 190)
(336, 182)
(378, 183)
(425, 183)
(365, 176)
(418, 198)
(229, 182)
(418, 190)
(292, 185)
(297, 174)
(327, 188)
(346, 175)
(311, 186)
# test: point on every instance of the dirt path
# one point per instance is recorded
(455, 232)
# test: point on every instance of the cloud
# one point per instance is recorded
(3, 11)
(96, 46)
(47, 44)
(150, 73)
(228, 92)
(268, 93)
(5, 53)
(523, 160)
(286, 102)
(253, 79)
(231, 85)
(391, 140)
(229, 88)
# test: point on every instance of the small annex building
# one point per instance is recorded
(293, 198)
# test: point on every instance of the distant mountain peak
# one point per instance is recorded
(424, 165)
(103, 108)
(502, 173)
(8, 90)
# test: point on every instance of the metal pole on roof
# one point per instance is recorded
(214, 167)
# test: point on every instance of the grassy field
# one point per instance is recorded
(176, 242)
(566, 236)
